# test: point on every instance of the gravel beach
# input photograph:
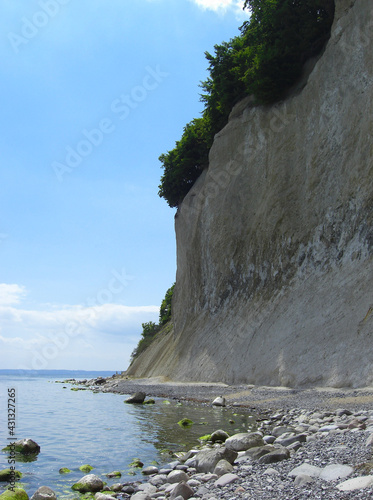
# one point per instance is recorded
(311, 443)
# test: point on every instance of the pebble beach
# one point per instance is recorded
(311, 443)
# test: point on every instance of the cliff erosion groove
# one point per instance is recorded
(275, 239)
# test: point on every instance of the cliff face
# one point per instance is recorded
(275, 240)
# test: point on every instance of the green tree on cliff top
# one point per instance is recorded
(265, 60)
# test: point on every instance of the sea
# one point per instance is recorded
(75, 428)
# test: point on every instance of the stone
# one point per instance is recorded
(115, 473)
(103, 496)
(258, 451)
(148, 471)
(137, 398)
(271, 472)
(328, 428)
(99, 381)
(116, 487)
(17, 494)
(243, 441)
(223, 467)
(269, 439)
(64, 470)
(356, 424)
(86, 468)
(158, 479)
(141, 495)
(25, 446)
(342, 411)
(183, 490)
(206, 460)
(148, 488)
(369, 441)
(44, 493)
(219, 401)
(301, 438)
(226, 479)
(335, 471)
(128, 489)
(356, 483)
(305, 468)
(280, 429)
(177, 476)
(88, 484)
(8, 475)
(274, 456)
(219, 435)
(303, 480)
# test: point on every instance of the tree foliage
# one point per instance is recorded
(165, 310)
(265, 60)
(150, 329)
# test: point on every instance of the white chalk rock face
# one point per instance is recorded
(275, 240)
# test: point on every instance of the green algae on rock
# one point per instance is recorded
(86, 468)
(185, 423)
(8, 474)
(16, 494)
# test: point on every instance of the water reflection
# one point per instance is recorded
(158, 424)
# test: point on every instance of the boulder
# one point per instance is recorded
(85, 468)
(88, 484)
(8, 475)
(17, 494)
(226, 479)
(303, 480)
(356, 483)
(335, 471)
(137, 398)
(177, 476)
(219, 401)
(99, 381)
(219, 435)
(258, 451)
(182, 490)
(148, 471)
(25, 446)
(223, 467)
(277, 455)
(305, 468)
(206, 460)
(244, 441)
(369, 441)
(301, 438)
(44, 493)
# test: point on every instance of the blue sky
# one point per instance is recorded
(93, 91)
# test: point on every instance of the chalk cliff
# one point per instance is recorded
(274, 278)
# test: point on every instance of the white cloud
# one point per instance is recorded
(69, 336)
(11, 294)
(220, 5)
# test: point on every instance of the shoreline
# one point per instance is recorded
(259, 398)
(315, 443)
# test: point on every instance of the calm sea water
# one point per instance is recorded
(76, 428)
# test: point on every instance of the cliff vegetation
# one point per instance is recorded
(264, 61)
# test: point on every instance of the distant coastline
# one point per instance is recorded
(58, 373)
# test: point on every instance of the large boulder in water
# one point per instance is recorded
(88, 484)
(16, 494)
(44, 493)
(137, 398)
